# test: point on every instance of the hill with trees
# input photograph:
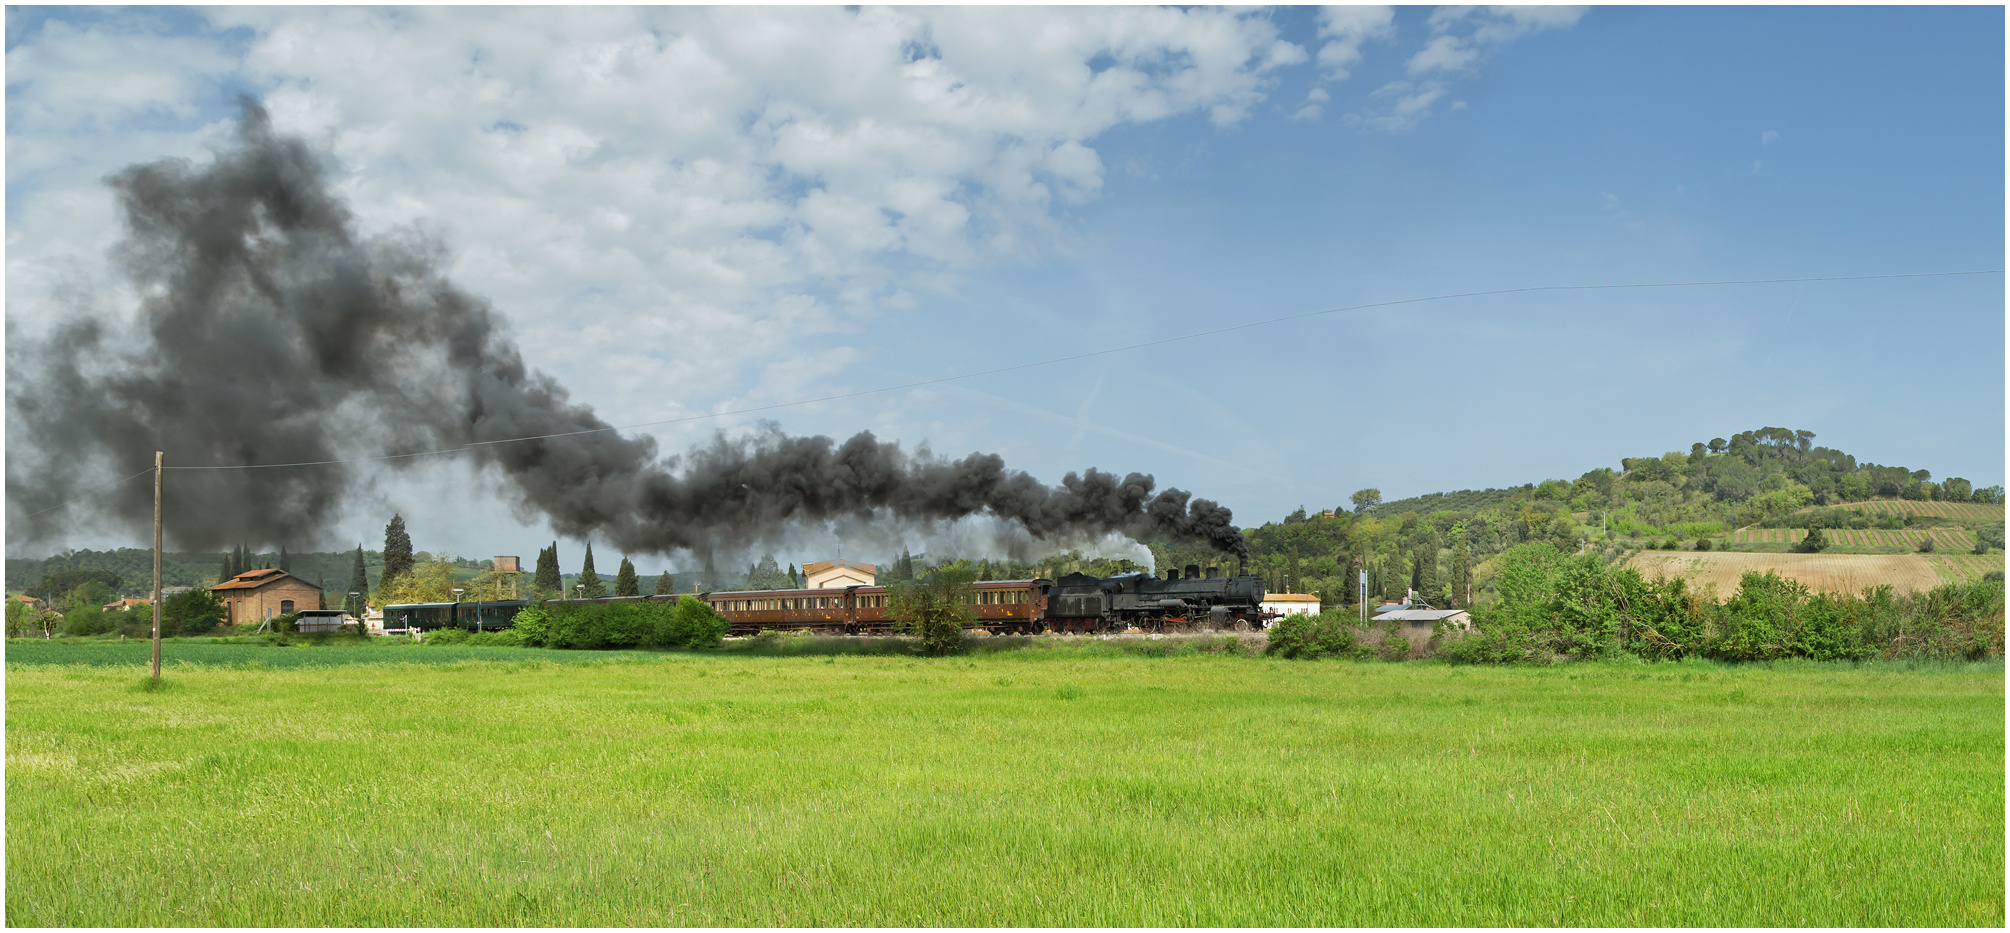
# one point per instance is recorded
(1440, 544)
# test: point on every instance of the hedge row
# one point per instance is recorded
(687, 623)
(1554, 607)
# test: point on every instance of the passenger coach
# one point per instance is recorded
(1004, 607)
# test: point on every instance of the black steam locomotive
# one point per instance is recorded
(1082, 603)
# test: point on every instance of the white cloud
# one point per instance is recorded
(1346, 28)
(1462, 37)
(1444, 53)
(645, 191)
(1769, 137)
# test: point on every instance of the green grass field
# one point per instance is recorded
(1070, 786)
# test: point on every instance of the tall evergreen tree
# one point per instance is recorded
(625, 583)
(664, 585)
(223, 573)
(359, 584)
(242, 562)
(397, 550)
(795, 579)
(590, 586)
(548, 583)
(282, 559)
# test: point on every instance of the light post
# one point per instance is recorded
(356, 609)
(457, 599)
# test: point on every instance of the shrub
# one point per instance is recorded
(1926, 545)
(1330, 634)
(1702, 544)
(933, 609)
(1813, 542)
(695, 624)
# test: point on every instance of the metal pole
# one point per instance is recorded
(157, 565)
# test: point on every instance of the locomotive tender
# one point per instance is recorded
(1077, 602)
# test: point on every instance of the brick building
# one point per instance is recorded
(257, 595)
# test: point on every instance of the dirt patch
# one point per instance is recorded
(1832, 573)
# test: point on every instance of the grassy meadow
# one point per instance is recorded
(1062, 784)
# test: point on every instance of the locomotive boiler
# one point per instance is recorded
(1079, 602)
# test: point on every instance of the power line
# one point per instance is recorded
(95, 492)
(1089, 355)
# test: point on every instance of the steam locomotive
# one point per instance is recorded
(1078, 602)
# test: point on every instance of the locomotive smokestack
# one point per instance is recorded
(1193, 571)
(368, 335)
(1242, 566)
(1172, 573)
(1213, 572)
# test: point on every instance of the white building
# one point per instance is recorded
(1291, 604)
(838, 574)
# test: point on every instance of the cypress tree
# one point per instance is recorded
(625, 583)
(282, 559)
(548, 582)
(590, 585)
(397, 550)
(795, 581)
(223, 573)
(664, 585)
(359, 583)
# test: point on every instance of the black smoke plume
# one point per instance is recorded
(269, 333)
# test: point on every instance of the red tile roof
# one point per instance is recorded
(253, 579)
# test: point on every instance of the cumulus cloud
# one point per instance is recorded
(645, 191)
(1769, 137)
(1345, 29)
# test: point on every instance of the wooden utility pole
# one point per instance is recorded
(157, 566)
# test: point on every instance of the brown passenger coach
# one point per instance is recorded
(1004, 607)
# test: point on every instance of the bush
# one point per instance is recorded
(193, 612)
(1926, 545)
(686, 623)
(1702, 544)
(1330, 634)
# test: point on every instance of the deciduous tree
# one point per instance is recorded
(935, 608)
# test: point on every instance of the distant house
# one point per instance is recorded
(256, 595)
(838, 574)
(121, 605)
(1418, 625)
(30, 600)
(1291, 604)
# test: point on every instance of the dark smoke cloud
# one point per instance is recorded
(270, 333)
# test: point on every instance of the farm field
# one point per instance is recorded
(1064, 786)
(1944, 539)
(1832, 573)
(1975, 511)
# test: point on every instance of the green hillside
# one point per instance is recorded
(1720, 490)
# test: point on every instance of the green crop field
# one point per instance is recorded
(1955, 539)
(1063, 784)
(1973, 511)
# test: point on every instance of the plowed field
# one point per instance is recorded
(1834, 573)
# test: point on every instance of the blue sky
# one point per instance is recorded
(690, 211)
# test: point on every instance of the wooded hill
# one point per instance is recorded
(1440, 543)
